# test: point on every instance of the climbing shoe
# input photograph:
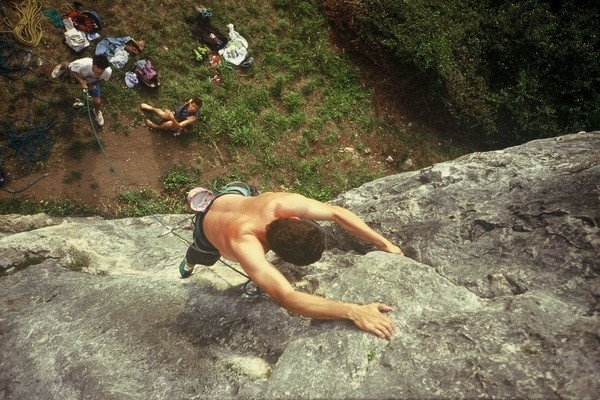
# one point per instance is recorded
(247, 63)
(184, 272)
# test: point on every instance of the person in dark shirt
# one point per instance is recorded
(177, 120)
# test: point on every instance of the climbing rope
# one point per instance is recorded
(28, 30)
(15, 59)
(89, 111)
(31, 145)
(249, 288)
(26, 187)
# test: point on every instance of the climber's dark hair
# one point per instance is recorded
(297, 241)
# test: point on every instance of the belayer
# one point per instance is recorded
(88, 72)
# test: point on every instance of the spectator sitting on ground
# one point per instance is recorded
(176, 121)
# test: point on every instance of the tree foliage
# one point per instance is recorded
(510, 71)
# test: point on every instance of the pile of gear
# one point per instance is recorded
(233, 49)
(82, 27)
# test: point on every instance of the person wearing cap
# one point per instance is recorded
(88, 73)
(177, 120)
(244, 227)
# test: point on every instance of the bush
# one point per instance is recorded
(178, 180)
(77, 260)
(510, 71)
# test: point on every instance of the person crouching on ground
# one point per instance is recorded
(178, 120)
(88, 72)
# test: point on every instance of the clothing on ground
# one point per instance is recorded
(237, 48)
(114, 49)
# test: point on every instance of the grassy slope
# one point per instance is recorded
(280, 124)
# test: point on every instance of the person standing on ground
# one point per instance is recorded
(242, 225)
(178, 120)
(88, 72)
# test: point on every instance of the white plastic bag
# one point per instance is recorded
(237, 48)
(75, 39)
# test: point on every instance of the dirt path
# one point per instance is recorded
(137, 160)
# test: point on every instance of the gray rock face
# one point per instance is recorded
(497, 297)
(502, 222)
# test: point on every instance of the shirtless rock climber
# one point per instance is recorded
(242, 226)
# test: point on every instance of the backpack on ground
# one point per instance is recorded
(87, 21)
(146, 73)
(206, 33)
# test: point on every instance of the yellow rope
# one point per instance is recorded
(28, 30)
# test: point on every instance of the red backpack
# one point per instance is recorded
(87, 21)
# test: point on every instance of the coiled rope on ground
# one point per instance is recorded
(28, 29)
(15, 59)
(30, 145)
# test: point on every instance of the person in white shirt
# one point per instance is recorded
(88, 72)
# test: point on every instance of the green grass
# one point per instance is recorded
(278, 124)
(179, 181)
(52, 207)
(77, 260)
(139, 203)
